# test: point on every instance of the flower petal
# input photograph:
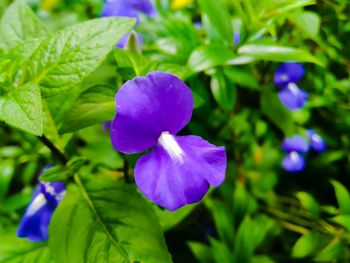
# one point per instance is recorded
(288, 72)
(35, 222)
(54, 192)
(317, 143)
(293, 162)
(293, 97)
(148, 106)
(144, 6)
(172, 181)
(119, 8)
(296, 143)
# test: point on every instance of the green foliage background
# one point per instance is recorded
(59, 72)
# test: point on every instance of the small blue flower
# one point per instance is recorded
(236, 38)
(288, 72)
(316, 142)
(35, 221)
(198, 24)
(293, 162)
(296, 143)
(292, 97)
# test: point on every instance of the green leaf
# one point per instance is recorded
(168, 220)
(209, 56)
(201, 251)
(277, 53)
(343, 220)
(309, 22)
(273, 109)
(306, 245)
(241, 77)
(19, 23)
(94, 106)
(69, 55)
(220, 251)
(219, 17)
(7, 170)
(332, 251)
(103, 220)
(309, 203)
(223, 219)
(249, 235)
(15, 250)
(261, 259)
(343, 197)
(22, 108)
(224, 91)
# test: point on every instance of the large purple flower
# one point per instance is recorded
(179, 169)
(35, 221)
(288, 72)
(292, 97)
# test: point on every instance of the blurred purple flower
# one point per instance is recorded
(316, 142)
(288, 72)
(296, 143)
(128, 8)
(292, 97)
(179, 169)
(236, 38)
(198, 24)
(35, 221)
(293, 162)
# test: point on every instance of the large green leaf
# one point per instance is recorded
(15, 250)
(7, 171)
(223, 90)
(22, 108)
(306, 245)
(333, 251)
(309, 22)
(277, 53)
(209, 56)
(19, 23)
(219, 17)
(69, 55)
(94, 106)
(343, 197)
(103, 220)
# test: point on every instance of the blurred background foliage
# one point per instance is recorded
(260, 214)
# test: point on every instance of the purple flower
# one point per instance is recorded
(316, 142)
(293, 162)
(35, 221)
(179, 169)
(292, 97)
(288, 72)
(296, 143)
(128, 8)
(198, 24)
(236, 38)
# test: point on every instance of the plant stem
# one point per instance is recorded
(60, 156)
(126, 170)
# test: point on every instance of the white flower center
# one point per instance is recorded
(37, 203)
(170, 145)
(294, 156)
(284, 77)
(293, 88)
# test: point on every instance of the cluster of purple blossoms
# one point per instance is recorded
(35, 222)
(286, 76)
(297, 146)
(128, 8)
(178, 170)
